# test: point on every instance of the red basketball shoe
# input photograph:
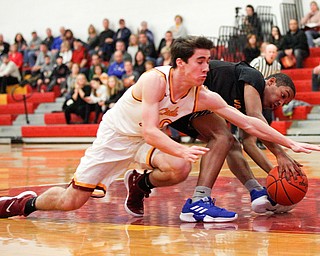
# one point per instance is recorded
(135, 196)
(14, 206)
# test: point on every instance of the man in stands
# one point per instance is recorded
(294, 44)
(9, 73)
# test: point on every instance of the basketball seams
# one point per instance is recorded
(281, 192)
(285, 191)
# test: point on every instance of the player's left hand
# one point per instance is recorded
(289, 167)
(304, 147)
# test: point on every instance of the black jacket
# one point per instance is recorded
(298, 40)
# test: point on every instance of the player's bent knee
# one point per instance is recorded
(182, 171)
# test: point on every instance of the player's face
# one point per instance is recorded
(275, 97)
(197, 67)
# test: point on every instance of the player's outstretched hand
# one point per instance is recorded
(304, 147)
(289, 167)
(193, 153)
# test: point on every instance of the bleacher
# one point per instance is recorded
(45, 122)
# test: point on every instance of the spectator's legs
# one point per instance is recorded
(315, 82)
(52, 83)
(300, 56)
(2, 86)
(31, 58)
(281, 54)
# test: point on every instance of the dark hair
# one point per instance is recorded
(283, 80)
(184, 47)
(96, 79)
(274, 26)
(251, 7)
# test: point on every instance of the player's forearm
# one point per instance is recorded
(274, 148)
(263, 131)
(250, 147)
(161, 141)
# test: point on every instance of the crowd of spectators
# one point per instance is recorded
(112, 61)
(91, 75)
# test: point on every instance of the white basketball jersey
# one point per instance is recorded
(126, 116)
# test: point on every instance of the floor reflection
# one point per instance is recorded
(102, 227)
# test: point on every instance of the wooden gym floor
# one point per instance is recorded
(102, 227)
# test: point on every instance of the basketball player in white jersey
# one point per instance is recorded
(131, 132)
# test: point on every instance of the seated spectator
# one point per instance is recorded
(178, 29)
(149, 64)
(21, 43)
(311, 21)
(251, 49)
(99, 72)
(76, 104)
(57, 41)
(117, 67)
(147, 47)
(92, 40)
(43, 77)
(115, 90)
(79, 56)
(139, 61)
(97, 98)
(133, 47)
(144, 28)
(4, 46)
(9, 73)
(71, 81)
(68, 36)
(106, 47)
(40, 61)
(165, 57)
(95, 61)
(294, 44)
(49, 39)
(252, 24)
(31, 52)
(66, 53)
(123, 33)
(120, 46)
(166, 41)
(16, 56)
(276, 37)
(59, 75)
(131, 76)
(267, 64)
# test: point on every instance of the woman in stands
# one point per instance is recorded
(21, 42)
(115, 90)
(276, 37)
(76, 104)
(96, 99)
(252, 49)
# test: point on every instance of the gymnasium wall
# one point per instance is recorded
(201, 17)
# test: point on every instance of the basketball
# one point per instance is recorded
(283, 192)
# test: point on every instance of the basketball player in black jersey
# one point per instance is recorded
(243, 87)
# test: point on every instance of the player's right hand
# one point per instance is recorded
(193, 153)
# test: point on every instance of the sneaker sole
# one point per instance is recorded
(126, 182)
(261, 205)
(283, 209)
(188, 217)
(19, 196)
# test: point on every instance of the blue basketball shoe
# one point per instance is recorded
(262, 203)
(205, 210)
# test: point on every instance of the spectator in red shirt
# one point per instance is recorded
(16, 56)
(80, 56)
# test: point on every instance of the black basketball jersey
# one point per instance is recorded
(228, 79)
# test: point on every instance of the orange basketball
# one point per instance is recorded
(283, 192)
